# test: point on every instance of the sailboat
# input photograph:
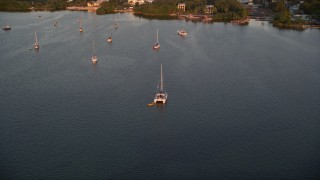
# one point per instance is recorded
(115, 22)
(110, 38)
(157, 44)
(161, 96)
(80, 28)
(55, 23)
(36, 44)
(94, 58)
(6, 27)
(182, 32)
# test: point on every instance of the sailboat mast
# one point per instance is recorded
(93, 47)
(161, 80)
(157, 37)
(35, 35)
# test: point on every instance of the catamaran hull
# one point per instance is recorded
(161, 100)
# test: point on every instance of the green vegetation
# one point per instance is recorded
(224, 10)
(158, 7)
(194, 6)
(13, 5)
(231, 9)
(56, 4)
(23, 5)
(283, 16)
(111, 6)
(78, 3)
(311, 7)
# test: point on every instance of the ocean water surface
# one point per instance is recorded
(244, 101)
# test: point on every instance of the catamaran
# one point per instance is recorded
(36, 44)
(157, 44)
(161, 96)
(94, 58)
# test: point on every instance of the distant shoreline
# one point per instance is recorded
(190, 17)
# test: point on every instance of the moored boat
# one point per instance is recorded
(161, 96)
(36, 44)
(80, 25)
(110, 38)
(157, 44)
(6, 27)
(182, 32)
(94, 58)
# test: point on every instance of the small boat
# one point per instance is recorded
(36, 44)
(94, 58)
(151, 104)
(157, 44)
(80, 25)
(182, 32)
(6, 27)
(110, 38)
(161, 96)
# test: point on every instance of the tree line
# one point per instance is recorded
(26, 5)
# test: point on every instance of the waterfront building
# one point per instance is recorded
(182, 6)
(209, 9)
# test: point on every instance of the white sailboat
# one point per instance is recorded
(36, 44)
(6, 27)
(115, 22)
(94, 58)
(161, 96)
(80, 25)
(157, 44)
(182, 32)
(110, 38)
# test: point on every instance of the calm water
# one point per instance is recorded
(244, 101)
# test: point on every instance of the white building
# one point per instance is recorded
(182, 6)
(209, 9)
